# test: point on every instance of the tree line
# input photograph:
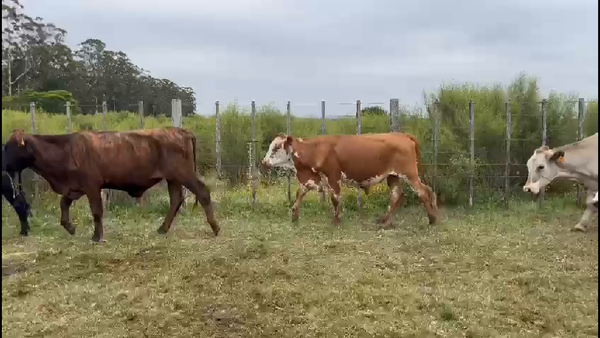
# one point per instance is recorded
(35, 60)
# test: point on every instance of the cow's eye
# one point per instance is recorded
(541, 167)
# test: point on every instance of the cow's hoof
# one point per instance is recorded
(98, 239)
(161, 230)
(432, 220)
(579, 228)
(24, 234)
(294, 218)
(216, 229)
(70, 229)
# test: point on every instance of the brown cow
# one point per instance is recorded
(365, 160)
(83, 163)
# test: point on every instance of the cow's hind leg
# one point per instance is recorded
(426, 196)
(176, 199)
(95, 199)
(202, 192)
(334, 185)
(396, 194)
(65, 220)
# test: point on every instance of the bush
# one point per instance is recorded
(51, 101)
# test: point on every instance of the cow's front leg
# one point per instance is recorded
(308, 181)
(65, 220)
(587, 214)
(95, 199)
(300, 193)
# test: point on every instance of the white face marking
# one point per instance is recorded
(277, 156)
(541, 171)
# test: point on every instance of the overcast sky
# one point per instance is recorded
(340, 50)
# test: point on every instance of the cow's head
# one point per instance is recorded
(279, 153)
(543, 167)
(17, 152)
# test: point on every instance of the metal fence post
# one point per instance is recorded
(436, 122)
(544, 142)
(252, 165)
(580, 136)
(104, 112)
(68, 107)
(394, 115)
(472, 149)
(288, 117)
(218, 138)
(323, 132)
(507, 162)
(358, 132)
(141, 113)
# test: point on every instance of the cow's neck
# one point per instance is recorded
(49, 155)
(578, 162)
(300, 153)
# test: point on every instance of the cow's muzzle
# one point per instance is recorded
(533, 188)
(264, 167)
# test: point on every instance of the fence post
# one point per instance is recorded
(580, 135)
(104, 112)
(288, 131)
(176, 118)
(507, 161)
(394, 116)
(472, 149)
(32, 113)
(35, 176)
(544, 142)
(323, 132)
(358, 132)
(218, 138)
(141, 113)
(436, 122)
(253, 154)
(69, 125)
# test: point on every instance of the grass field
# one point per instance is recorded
(487, 272)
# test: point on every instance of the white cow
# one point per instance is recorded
(575, 161)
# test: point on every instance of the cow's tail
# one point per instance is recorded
(418, 152)
(195, 164)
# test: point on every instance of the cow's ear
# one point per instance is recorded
(288, 141)
(557, 156)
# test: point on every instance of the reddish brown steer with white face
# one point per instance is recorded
(365, 160)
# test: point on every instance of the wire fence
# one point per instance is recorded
(470, 152)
